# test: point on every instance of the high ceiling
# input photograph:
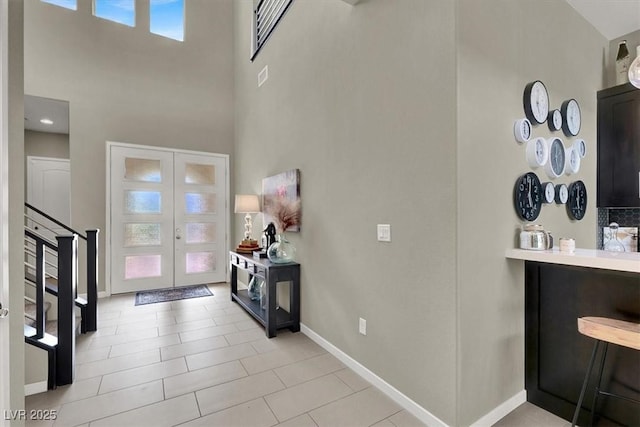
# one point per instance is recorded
(613, 18)
(37, 108)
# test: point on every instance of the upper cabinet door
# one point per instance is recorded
(619, 147)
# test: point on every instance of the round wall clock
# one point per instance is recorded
(555, 120)
(577, 203)
(573, 161)
(580, 146)
(522, 130)
(536, 102)
(527, 196)
(571, 118)
(549, 192)
(537, 152)
(556, 163)
(562, 194)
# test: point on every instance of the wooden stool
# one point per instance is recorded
(605, 330)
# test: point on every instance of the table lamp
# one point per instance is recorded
(247, 204)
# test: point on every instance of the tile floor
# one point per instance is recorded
(205, 362)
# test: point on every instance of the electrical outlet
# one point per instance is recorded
(384, 232)
(263, 75)
(362, 326)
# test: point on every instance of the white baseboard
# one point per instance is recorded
(101, 294)
(35, 388)
(412, 407)
(502, 410)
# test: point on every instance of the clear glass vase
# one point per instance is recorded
(281, 251)
(614, 245)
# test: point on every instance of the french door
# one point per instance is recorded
(168, 218)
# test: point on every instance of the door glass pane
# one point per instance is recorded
(142, 202)
(200, 262)
(141, 235)
(200, 203)
(201, 232)
(139, 266)
(145, 170)
(199, 174)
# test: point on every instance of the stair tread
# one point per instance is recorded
(47, 340)
(30, 309)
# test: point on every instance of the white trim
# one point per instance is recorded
(107, 241)
(35, 388)
(101, 294)
(394, 394)
(501, 410)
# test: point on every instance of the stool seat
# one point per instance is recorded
(614, 331)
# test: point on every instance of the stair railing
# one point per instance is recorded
(91, 238)
(40, 244)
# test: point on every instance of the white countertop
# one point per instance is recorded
(620, 261)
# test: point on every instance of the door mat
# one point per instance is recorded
(172, 294)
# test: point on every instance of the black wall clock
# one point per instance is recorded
(528, 196)
(577, 203)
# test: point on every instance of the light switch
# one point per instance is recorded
(384, 232)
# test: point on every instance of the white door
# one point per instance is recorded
(168, 218)
(49, 189)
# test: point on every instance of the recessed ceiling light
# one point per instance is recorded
(46, 121)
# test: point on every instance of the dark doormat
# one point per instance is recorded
(172, 294)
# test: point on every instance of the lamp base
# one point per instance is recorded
(247, 246)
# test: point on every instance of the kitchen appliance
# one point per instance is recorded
(534, 237)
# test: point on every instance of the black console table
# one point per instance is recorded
(272, 317)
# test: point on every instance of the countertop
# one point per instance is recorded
(620, 261)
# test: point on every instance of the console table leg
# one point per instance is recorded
(272, 300)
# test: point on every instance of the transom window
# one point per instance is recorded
(120, 11)
(166, 18)
(67, 4)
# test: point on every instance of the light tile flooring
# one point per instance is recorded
(205, 362)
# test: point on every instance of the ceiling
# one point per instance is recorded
(36, 108)
(612, 18)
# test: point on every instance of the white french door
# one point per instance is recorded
(168, 218)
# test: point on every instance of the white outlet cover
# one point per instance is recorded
(384, 232)
(362, 326)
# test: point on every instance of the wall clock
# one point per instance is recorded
(536, 102)
(571, 117)
(522, 130)
(527, 196)
(557, 158)
(580, 146)
(555, 120)
(577, 203)
(562, 194)
(537, 152)
(549, 192)
(573, 161)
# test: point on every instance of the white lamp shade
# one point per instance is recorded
(634, 70)
(247, 203)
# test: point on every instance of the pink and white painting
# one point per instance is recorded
(281, 200)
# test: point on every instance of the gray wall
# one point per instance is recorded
(126, 84)
(402, 112)
(16, 203)
(497, 56)
(46, 144)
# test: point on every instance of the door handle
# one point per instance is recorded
(3, 312)
(178, 234)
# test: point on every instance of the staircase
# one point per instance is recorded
(52, 268)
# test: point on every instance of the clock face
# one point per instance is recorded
(522, 130)
(571, 118)
(577, 203)
(528, 195)
(562, 194)
(536, 102)
(537, 152)
(555, 120)
(580, 146)
(573, 161)
(556, 163)
(549, 192)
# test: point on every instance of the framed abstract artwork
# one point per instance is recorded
(281, 200)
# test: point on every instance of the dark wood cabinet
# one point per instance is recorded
(619, 147)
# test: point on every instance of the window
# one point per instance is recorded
(67, 4)
(120, 11)
(166, 18)
(265, 18)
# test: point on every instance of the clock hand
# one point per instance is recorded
(529, 196)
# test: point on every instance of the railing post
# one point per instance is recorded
(67, 288)
(92, 281)
(40, 283)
